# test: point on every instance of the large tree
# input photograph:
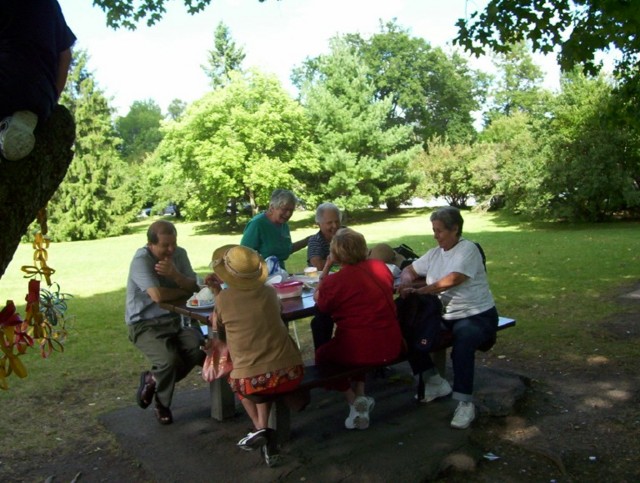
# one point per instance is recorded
(237, 144)
(518, 86)
(431, 90)
(364, 160)
(94, 199)
(139, 130)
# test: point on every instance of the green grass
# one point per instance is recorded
(559, 281)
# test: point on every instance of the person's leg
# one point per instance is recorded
(252, 411)
(321, 329)
(468, 335)
(189, 343)
(359, 405)
(156, 342)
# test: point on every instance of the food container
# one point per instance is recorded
(292, 288)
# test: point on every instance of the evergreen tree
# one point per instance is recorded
(364, 161)
(94, 199)
(224, 58)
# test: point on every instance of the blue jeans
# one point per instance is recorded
(468, 334)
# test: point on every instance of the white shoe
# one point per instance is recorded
(434, 391)
(16, 135)
(464, 414)
(359, 413)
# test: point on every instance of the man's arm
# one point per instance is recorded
(186, 285)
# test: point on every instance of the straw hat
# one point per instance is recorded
(385, 253)
(239, 267)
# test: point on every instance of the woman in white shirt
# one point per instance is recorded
(455, 272)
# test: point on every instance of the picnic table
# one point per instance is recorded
(222, 398)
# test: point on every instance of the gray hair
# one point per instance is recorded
(280, 198)
(324, 207)
(450, 218)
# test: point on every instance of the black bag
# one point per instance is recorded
(406, 251)
(420, 318)
(408, 254)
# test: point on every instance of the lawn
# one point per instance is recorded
(559, 281)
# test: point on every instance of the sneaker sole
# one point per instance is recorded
(270, 459)
(253, 444)
(464, 426)
(425, 400)
(18, 140)
(362, 420)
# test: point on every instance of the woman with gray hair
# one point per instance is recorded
(268, 232)
(455, 272)
(328, 218)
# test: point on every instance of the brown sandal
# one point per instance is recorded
(163, 414)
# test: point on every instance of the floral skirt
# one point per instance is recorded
(274, 382)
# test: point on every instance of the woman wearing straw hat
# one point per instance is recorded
(266, 360)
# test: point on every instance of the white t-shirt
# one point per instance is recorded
(471, 297)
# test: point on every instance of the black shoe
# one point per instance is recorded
(253, 440)
(146, 390)
(269, 451)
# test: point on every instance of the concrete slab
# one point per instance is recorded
(405, 442)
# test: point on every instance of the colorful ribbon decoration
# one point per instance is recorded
(16, 335)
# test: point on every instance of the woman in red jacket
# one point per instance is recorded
(359, 298)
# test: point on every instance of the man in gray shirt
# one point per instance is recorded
(160, 272)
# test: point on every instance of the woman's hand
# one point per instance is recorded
(214, 283)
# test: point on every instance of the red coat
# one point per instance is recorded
(359, 298)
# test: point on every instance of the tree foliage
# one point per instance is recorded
(140, 130)
(94, 200)
(518, 87)
(364, 160)
(176, 109)
(580, 28)
(430, 90)
(593, 156)
(224, 58)
(237, 143)
(127, 13)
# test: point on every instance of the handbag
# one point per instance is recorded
(218, 362)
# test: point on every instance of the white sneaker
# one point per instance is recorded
(359, 413)
(434, 391)
(16, 135)
(464, 414)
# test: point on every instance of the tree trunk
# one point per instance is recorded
(27, 185)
